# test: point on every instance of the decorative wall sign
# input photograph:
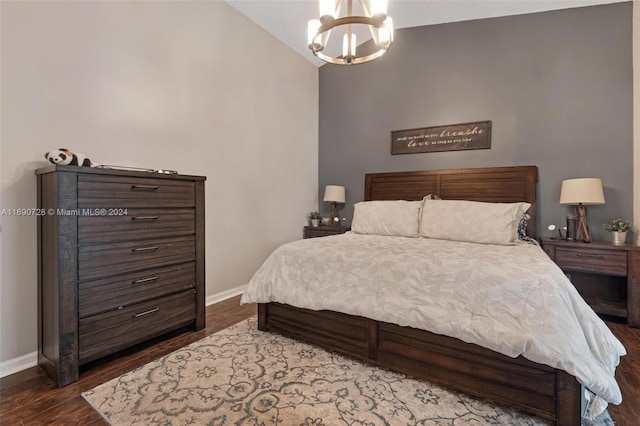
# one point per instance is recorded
(451, 137)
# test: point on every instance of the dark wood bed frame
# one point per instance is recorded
(549, 393)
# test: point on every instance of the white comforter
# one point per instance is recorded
(511, 299)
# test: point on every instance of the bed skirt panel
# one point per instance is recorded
(537, 389)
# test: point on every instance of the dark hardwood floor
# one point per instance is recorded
(30, 397)
(628, 377)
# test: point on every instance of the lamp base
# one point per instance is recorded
(335, 216)
(582, 225)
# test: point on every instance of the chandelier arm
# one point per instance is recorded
(343, 61)
(364, 7)
(350, 20)
(374, 34)
(338, 7)
(325, 38)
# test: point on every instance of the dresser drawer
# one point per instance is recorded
(117, 192)
(125, 290)
(105, 260)
(322, 231)
(592, 260)
(112, 331)
(136, 224)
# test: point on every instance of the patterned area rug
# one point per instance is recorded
(242, 376)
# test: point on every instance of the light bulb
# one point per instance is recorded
(312, 30)
(327, 10)
(378, 9)
(385, 34)
(349, 52)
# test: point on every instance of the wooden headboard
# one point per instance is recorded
(495, 184)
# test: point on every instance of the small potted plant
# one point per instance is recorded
(618, 229)
(315, 217)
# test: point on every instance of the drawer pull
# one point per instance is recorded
(590, 256)
(145, 313)
(144, 280)
(150, 248)
(144, 187)
(139, 218)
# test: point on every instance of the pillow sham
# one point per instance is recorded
(472, 221)
(392, 218)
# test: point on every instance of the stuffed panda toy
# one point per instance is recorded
(64, 157)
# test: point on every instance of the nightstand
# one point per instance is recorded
(323, 231)
(606, 275)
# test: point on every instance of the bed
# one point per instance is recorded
(532, 387)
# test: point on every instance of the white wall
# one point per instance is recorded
(191, 86)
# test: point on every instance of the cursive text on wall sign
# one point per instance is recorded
(451, 137)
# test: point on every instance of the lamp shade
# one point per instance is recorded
(334, 194)
(586, 191)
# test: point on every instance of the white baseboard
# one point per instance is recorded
(228, 294)
(17, 364)
(29, 360)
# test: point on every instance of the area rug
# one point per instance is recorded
(242, 376)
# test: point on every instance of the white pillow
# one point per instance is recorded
(472, 221)
(393, 218)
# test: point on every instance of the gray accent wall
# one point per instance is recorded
(557, 87)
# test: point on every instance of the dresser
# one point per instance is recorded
(605, 274)
(120, 261)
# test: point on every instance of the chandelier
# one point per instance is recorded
(375, 18)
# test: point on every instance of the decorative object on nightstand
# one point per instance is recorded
(572, 227)
(334, 194)
(606, 275)
(581, 193)
(553, 228)
(315, 218)
(618, 229)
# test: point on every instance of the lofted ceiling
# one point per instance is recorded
(287, 19)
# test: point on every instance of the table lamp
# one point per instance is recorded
(334, 194)
(581, 193)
